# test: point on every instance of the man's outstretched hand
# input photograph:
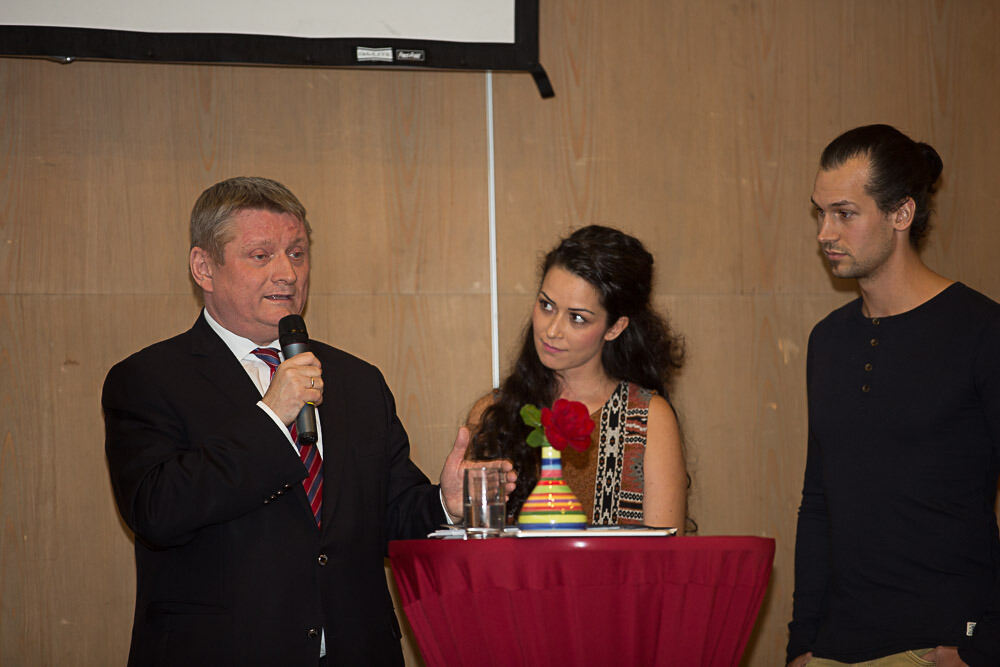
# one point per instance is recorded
(454, 470)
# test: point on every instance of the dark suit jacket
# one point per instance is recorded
(231, 568)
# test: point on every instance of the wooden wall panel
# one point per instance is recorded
(431, 349)
(696, 127)
(625, 142)
(67, 583)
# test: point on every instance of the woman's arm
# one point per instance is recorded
(664, 473)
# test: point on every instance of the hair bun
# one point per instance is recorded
(934, 163)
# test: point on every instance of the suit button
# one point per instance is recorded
(312, 633)
(288, 486)
(279, 492)
(322, 560)
(267, 500)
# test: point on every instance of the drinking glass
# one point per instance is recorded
(483, 502)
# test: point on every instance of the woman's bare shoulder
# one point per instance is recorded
(662, 426)
(660, 408)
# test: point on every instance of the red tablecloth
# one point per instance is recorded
(582, 601)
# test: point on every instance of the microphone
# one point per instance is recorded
(294, 340)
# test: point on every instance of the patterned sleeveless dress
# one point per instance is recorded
(608, 476)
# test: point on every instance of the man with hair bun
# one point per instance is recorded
(897, 555)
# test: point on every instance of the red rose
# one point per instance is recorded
(567, 423)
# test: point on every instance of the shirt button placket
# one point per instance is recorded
(873, 342)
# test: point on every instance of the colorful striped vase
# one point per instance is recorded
(552, 504)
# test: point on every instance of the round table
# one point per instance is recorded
(582, 600)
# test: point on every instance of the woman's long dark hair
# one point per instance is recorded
(646, 352)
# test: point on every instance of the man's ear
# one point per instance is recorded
(902, 217)
(616, 329)
(202, 268)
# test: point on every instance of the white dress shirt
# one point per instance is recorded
(242, 348)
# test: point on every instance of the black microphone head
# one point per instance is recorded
(292, 329)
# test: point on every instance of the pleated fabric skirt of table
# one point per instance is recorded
(582, 601)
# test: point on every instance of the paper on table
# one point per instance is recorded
(601, 531)
(458, 533)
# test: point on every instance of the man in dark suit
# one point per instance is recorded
(233, 566)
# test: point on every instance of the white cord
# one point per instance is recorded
(494, 308)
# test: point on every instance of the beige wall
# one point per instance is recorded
(696, 126)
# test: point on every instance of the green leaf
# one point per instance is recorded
(531, 416)
(537, 438)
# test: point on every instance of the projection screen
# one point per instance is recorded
(436, 34)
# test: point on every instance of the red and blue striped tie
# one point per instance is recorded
(313, 483)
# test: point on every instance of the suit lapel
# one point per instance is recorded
(217, 364)
(219, 367)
